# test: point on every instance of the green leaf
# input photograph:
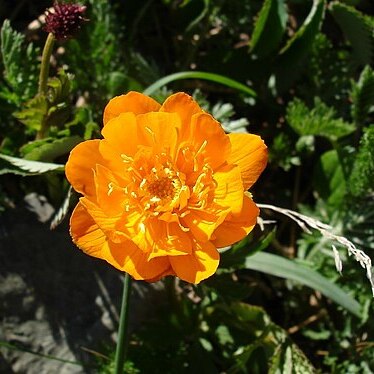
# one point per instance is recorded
(48, 151)
(35, 110)
(199, 75)
(287, 269)
(329, 179)
(20, 69)
(289, 63)
(24, 167)
(363, 96)
(362, 175)
(269, 28)
(319, 121)
(357, 30)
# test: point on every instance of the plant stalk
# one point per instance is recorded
(122, 342)
(43, 78)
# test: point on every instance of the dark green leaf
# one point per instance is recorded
(357, 30)
(269, 28)
(363, 96)
(329, 179)
(48, 151)
(284, 268)
(291, 56)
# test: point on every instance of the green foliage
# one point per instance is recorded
(329, 179)
(277, 68)
(53, 109)
(23, 167)
(357, 29)
(319, 121)
(292, 270)
(362, 176)
(20, 70)
(292, 55)
(363, 96)
(269, 28)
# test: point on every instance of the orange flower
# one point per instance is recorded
(164, 188)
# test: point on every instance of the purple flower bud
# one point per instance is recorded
(63, 20)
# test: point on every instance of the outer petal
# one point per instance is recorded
(202, 223)
(229, 190)
(129, 258)
(249, 152)
(110, 196)
(159, 131)
(236, 227)
(106, 223)
(208, 139)
(182, 104)
(121, 133)
(198, 266)
(134, 102)
(81, 165)
(159, 238)
(124, 256)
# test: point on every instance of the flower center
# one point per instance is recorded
(161, 188)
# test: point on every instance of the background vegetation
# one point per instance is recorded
(304, 82)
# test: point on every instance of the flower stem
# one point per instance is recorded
(122, 342)
(43, 78)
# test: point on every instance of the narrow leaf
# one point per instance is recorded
(199, 75)
(269, 28)
(287, 269)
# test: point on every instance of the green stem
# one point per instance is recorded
(43, 78)
(122, 342)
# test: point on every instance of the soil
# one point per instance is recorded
(54, 300)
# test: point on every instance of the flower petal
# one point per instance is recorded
(202, 223)
(160, 238)
(236, 226)
(125, 256)
(201, 264)
(159, 131)
(85, 232)
(134, 102)
(182, 104)
(110, 195)
(80, 167)
(229, 190)
(121, 133)
(208, 138)
(106, 223)
(129, 258)
(249, 152)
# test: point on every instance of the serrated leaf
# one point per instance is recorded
(48, 151)
(20, 69)
(288, 269)
(357, 30)
(59, 87)
(24, 167)
(362, 175)
(269, 28)
(291, 56)
(319, 121)
(33, 114)
(363, 96)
